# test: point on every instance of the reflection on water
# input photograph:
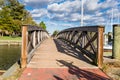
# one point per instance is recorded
(8, 56)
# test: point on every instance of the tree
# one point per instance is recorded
(55, 33)
(11, 15)
(17, 10)
(1, 3)
(28, 19)
(42, 24)
(6, 20)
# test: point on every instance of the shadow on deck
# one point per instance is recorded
(71, 51)
(72, 72)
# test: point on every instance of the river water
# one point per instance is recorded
(8, 56)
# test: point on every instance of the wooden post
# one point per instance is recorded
(65, 35)
(83, 40)
(34, 39)
(100, 47)
(41, 36)
(116, 41)
(24, 46)
(38, 36)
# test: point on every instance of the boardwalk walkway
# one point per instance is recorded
(56, 60)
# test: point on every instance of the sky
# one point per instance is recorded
(62, 14)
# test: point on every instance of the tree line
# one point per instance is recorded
(12, 15)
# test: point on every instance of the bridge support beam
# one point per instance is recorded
(24, 46)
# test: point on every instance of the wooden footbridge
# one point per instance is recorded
(75, 54)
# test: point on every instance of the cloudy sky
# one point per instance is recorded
(62, 14)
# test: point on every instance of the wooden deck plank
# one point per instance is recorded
(47, 54)
(55, 60)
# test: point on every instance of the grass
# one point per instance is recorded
(14, 76)
(112, 69)
(107, 53)
(10, 38)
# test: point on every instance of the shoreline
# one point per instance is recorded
(10, 42)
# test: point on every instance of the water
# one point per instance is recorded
(8, 56)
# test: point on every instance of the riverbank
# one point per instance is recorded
(10, 42)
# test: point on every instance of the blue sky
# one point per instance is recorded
(62, 14)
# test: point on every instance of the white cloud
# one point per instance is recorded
(109, 3)
(39, 3)
(95, 11)
(87, 17)
(43, 1)
(66, 11)
(98, 13)
(114, 11)
(75, 17)
(36, 0)
(38, 13)
(68, 6)
(92, 4)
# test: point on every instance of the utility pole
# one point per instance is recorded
(81, 12)
(111, 20)
(118, 18)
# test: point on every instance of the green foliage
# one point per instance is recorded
(42, 24)
(28, 19)
(5, 19)
(1, 3)
(55, 33)
(12, 16)
(17, 10)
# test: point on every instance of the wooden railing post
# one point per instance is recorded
(24, 46)
(38, 35)
(43, 35)
(100, 47)
(34, 39)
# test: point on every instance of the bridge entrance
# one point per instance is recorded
(72, 56)
(57, 60)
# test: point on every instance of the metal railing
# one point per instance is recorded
(88, 39)
(32, 36)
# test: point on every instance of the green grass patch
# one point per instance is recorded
(10, 38)
(107, 54)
